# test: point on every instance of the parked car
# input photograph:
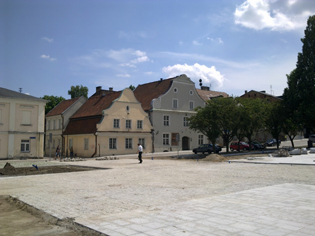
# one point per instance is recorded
(243, 146)
(258, 146)
(207, 148)
(312, 138)
(272, 142)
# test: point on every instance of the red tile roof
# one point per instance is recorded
(82, 126)
(86, 118)
(96, 104)
(61, 107)
(207, 95)
(145, 93)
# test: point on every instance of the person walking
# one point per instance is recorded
(140, 150)
(57, 153)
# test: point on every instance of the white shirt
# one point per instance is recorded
(140, 149)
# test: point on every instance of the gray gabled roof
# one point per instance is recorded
(7, 93)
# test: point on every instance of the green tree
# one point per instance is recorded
(53, 101)
(300, 92)
(252, 116)
(205, 122)
(273, 122)
(78, 91)
(132, 87)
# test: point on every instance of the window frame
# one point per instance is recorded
(128, 124)
(166, 140)
(185, 121)
(142, 142)
(128, 143)
(175, 102)
(166, 122)
(116, 124)
(112, 143)
(86, 143)
(139, 124)
(25, 144)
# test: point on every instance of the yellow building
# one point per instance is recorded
(108, 123)
(21, 125)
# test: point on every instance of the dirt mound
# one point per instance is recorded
(214, 157)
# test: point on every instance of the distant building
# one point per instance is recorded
(261, 95)
(206, 94)
(56, 122)
(22, 120)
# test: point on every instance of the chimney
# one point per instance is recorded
(245, 91)
(110, 89)
(98, 88)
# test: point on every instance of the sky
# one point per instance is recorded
(47, 46)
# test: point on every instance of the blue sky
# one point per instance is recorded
(46, 46)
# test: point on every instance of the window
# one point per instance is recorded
(116, 123)
(128, 124)
(175, 103)
(59, 121)
(25, 146)
(112, 143)
(70, 143)
(185, 121)
(191, 92)
(139, 124)
(200, 139)
(191, 105)
(127, 109)
(142, 142)
(54, 124)
(128, 143)
(86, 144)
(48, 125)
(175, 90)
(26, 117)
(166, 139)
(53, 146)
(166, 121)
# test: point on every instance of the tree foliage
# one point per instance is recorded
(132, 87)
(273, 122)
(53, 101)
(78, 91)
(252, 114)
(300, 93)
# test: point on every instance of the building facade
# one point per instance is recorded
(109, 123)
(170, 103)
(56, 121)
(22, 120)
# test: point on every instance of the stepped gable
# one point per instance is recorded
(62, 106)
(145, 93)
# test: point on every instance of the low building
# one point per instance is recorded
(56, 122)
(262, 95)
(206, 94)
(22, 120)
(108, 123)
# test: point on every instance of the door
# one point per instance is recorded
(185, 143)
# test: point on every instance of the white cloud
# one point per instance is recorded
(123, 75)
(47, 39)
(209, 75)
(47, 57)
(277, 15)
(128, 57)
(195, 42)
